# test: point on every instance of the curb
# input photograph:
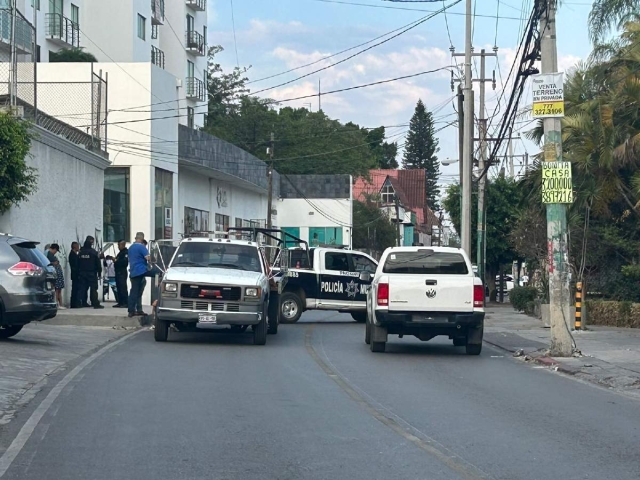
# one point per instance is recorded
(540, 360)
(105, 320)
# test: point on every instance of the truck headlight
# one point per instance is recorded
(170, 287)
(252, 292)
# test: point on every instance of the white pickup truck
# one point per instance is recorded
(425, 292)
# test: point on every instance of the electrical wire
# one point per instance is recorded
(235, 41)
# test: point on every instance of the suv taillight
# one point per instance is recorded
(478, 296)
(383, 294)
(25, 269)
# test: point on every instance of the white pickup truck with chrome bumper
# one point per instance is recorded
(213, 283)
(425, 292)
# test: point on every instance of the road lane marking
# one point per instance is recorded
(30, 425)
(429, 445)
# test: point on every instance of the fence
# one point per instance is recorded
(76, 111)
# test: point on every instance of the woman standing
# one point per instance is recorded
(54, 248)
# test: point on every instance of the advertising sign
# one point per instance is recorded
(557, 185)
(548, 95)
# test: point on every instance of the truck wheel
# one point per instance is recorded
(378, 347)
(161, 331)
(474, 340)
(367, 332)
(7, 332)
(290, 307)
(274, 321)
(260, 330)
(473, 349)
(359, 317)
(460, 342)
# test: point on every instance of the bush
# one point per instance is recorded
(522, 298)
(613, 314)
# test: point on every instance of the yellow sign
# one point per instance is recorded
(548, 109)
(557, 184)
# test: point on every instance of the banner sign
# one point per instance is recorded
(548, 95)
(557, 184)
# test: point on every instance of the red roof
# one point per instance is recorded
(413, 186)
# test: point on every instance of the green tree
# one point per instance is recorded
(17, 179)
(73, 54)
(372, 230)
(503, 206)
(421, 149)
(608, 13)
(385, 153)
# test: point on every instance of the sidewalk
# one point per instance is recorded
(90, 317)
(610, 356)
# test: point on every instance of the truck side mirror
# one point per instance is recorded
(365, 277)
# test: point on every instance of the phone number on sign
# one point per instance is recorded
(558, 196)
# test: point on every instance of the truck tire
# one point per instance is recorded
(474, 340)
(161, 330)
(359, 317)
(290, 307)
(460, 342)
(473, 349)
(274, 310)
(10, 331)
(260, 330)
(378, 347)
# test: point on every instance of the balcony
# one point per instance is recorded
(157, 12)
(196, 89)
(196, 43)
(157, 57)
(61, 30)
(25, 33)
(197, 5)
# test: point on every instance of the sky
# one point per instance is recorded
(273, 36)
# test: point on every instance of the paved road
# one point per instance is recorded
(316, 404)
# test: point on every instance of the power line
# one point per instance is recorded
(235, 42)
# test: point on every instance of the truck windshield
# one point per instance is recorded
(426, 262)
(217, 255)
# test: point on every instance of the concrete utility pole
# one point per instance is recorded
(481, 230)
(270, 182)
(558, 255)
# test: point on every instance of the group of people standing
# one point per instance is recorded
(86, 268)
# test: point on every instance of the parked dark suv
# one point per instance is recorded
(26, 285)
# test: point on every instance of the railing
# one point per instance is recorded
(200, 5)
(25, 32)
(157, 12)
(157, 56)
(61, 29)
(154, 32)
(196, 43)
(196, 89)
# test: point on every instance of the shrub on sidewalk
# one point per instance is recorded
(523, 298)
(613, 314)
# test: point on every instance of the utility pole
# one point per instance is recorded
(460, 136)
(270, 182)
(13, 76)
(511, 173)
(397, 221)
(482, 127)
(558, 255)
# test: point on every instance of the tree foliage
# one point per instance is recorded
(305, 142)
(17, 179)
(372, 230)
(72, 54)
(421, 149)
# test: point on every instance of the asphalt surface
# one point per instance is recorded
(315, 403)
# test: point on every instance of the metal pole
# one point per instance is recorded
(14, 57)
(398, 221)
(467, 157)
(35, 61)
(270, 182)
(559, 292)
(481, 183)
(511, 154)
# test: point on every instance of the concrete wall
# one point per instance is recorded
(68, 203)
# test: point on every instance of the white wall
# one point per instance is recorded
(298, 212)
(68, 203)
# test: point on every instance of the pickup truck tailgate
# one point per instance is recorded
(431, 293)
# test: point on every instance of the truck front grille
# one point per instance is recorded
(209, 306)
(213, 292)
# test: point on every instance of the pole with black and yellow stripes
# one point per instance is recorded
(578, 320)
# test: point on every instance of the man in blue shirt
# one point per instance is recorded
(138, 269)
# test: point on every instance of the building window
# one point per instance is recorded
(325, 236)
(37, 4)
(191, 69)
(116, 204)
(154, 32)
(222, 222)
(75, 14)
(142, 27)
(204, 34)
(195, 220)
(191, 116)
(190, 24)
(163, 204)
(37, 53)
(56, 6)
(387, 194)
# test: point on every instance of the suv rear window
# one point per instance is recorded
(28, 252)
(426, 262)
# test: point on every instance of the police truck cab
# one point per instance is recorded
(326, 278)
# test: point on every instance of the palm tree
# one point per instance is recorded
(608, 13)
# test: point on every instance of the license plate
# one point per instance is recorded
(429, 319)
(207, 318)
